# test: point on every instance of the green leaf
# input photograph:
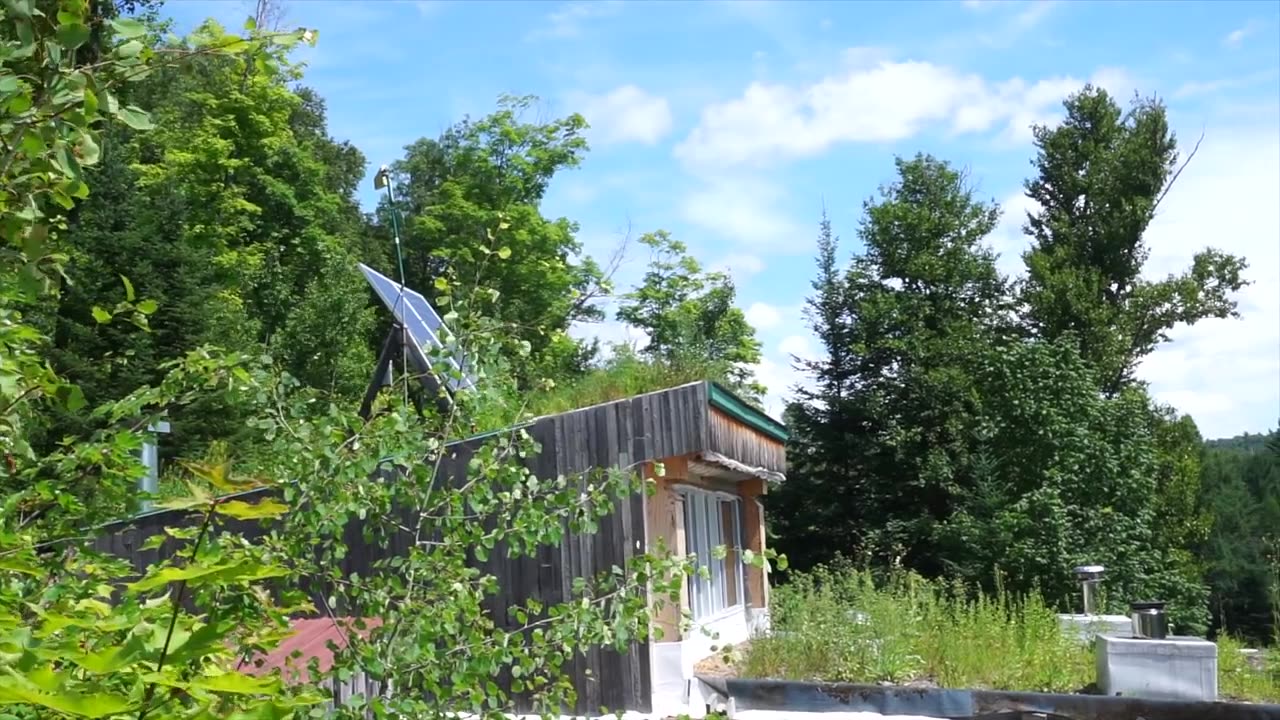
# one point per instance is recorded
(146, 307)
(9, 84)
(135, 117)
(71, 397)
(267, 508)
(441, 284)
(61, 197)
(128, 28)
(131, 49)
(181, 503)
(32, 144)
(89, 151)
(14, 689)
(19, 104)
(239, 683)
(63, 161)
(234, 572)
(504, 252)
(101, 315)
(90, 102)
(20, 8)
(113, 659)
(73, 35)
(128, 289)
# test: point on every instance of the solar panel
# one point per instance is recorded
(420, 320)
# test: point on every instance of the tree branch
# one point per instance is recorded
(1178, 172)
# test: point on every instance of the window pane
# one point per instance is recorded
(732, 558)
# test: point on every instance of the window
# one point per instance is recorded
(710, 521)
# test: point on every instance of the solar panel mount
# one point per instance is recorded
(420, 332)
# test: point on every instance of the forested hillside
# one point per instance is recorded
(1241, 492)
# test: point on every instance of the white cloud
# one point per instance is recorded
(568, 20)
(1191, 89)
(625, 114)
(779, 379)
(1007, 239)
(1236, 37)
(742, 209)
(739, 266)
(763, 316)
(1031, 16)
(798, 346)
(883, 102)
(1226, 373)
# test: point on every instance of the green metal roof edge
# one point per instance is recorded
(737, 408)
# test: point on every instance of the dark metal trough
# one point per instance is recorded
(789, 696)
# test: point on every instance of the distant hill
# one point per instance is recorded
(1248, 442)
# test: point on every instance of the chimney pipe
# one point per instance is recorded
(1090, 577)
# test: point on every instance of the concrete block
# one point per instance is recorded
(1176, 668)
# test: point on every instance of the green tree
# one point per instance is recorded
(1066, 476)
(237, 219)
(892, 414)
(823, 419)
(1100, 177)
(689, 316)
(490, 175)
(78, 645)
(1241, 488)
(69, 651)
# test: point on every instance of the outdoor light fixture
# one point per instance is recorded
(382, 179)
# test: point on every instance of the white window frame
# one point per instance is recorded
(709, 596)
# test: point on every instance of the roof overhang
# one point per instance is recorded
(714, 465)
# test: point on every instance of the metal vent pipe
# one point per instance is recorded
(1090, 577)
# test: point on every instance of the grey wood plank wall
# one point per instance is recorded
(620, 434)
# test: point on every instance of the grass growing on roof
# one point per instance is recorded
(622, 376)
(842, 625)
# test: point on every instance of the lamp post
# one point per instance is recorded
(382, 180)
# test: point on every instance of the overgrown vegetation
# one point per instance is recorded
(841, 624)
(1241, 490)
(82, 633)
(622, 375)
(966, 425)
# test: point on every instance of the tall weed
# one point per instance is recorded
(846, 625)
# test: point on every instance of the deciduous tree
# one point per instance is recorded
(1100, 177)
(690, 317)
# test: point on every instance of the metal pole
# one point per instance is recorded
(149, 483)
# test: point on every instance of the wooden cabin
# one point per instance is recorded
(719, 456)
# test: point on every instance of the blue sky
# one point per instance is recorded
(732, 124)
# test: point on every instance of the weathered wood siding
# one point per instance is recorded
(624, 434)
(736, 440)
